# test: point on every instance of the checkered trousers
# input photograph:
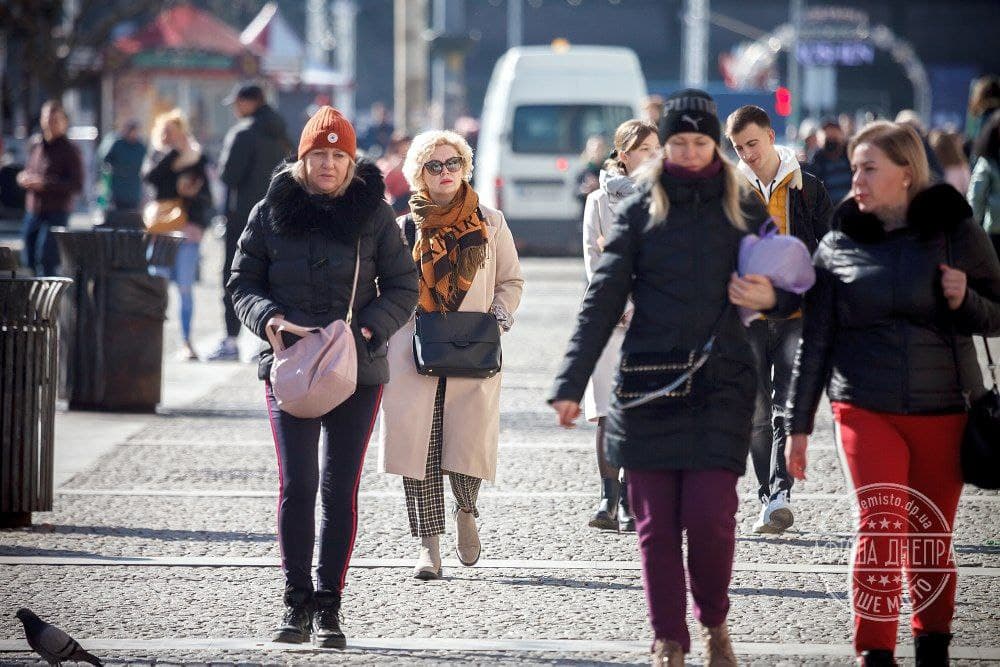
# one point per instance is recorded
(425, 499)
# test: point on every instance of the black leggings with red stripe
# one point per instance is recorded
(347, 429)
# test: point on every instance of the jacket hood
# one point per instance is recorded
(939, 208)
(789, 165)
(295, 212)
(618, 186)
(269, 122)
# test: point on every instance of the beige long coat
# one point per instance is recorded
(471, 406)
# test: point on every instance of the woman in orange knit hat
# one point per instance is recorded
(323, 216)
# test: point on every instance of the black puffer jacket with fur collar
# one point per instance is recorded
(297, 254)
(878, 332)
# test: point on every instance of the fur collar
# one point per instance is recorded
(295, 212)
(935, 210)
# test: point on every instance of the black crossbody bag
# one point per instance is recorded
(644, 378)
(455, 344)
(980, 450)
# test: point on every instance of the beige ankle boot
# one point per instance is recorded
(718, 646)
(468, 548)
(429, 561)
(667, 653)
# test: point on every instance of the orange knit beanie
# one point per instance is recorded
(328, 129)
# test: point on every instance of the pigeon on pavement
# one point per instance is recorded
(48, 641)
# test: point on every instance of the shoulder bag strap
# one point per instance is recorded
(952, 337)
(706, 352)
(354, 287)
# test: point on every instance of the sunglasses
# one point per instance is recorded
(436, 166)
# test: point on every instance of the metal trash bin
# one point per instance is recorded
(29, 356)
(113, 322)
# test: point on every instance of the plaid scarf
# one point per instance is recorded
(450, 248)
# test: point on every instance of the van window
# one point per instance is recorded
(563, 128)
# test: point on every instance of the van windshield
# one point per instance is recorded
(563, 128)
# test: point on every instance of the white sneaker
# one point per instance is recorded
(775, 517)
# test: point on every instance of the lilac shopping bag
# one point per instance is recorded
(782, 258)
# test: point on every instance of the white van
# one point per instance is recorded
(541, 105)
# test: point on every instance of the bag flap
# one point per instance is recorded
(457, 328)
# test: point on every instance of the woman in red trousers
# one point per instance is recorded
(902, 285)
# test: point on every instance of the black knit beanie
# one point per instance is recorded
(690, 110)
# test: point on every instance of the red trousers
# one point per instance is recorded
(907, 477)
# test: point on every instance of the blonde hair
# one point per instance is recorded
(297, 170)
(733, 191)
(901, 144)
(175, 116)
(420, 151)
(628, 137)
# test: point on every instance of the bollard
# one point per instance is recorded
(113, 322)
(29, 354)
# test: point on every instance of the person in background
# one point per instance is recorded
(635, 142)
(253, 147)
(984, 99)
(467, 127)
(673, 249)
(947, 149)
(11, 194)
(901, 286)
(397, 189)
(984, 187)
(52, 177)
(588, 177)
(830, 164)
(652, 109)
(912, 118)
(378, 133)
(122, 158)
(431, 426)
(798, 205)
(323, 215)
(177, 168)
(808, 140)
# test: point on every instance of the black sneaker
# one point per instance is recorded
(295, 626)
(326, 621)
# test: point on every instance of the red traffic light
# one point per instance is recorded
(783, 101)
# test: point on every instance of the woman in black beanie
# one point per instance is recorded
(674, 250)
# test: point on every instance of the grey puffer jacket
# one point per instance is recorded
(297, 255)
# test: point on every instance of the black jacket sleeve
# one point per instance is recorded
(785, 305)
(248, 284)
(822, 210)
(159, 174)
(397, 280)
(236, 159)
(973, 253)
(602, 305)
(814, 361)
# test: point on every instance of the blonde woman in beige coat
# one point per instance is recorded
(447, 426)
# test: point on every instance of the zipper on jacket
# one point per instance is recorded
(904, 334)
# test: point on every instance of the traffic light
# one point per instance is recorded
(783, 101)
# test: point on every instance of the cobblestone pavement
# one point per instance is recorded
(162, 549)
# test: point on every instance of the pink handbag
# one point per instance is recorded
(320, 370)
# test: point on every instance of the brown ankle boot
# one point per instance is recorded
(667, 653)
(718, 646)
